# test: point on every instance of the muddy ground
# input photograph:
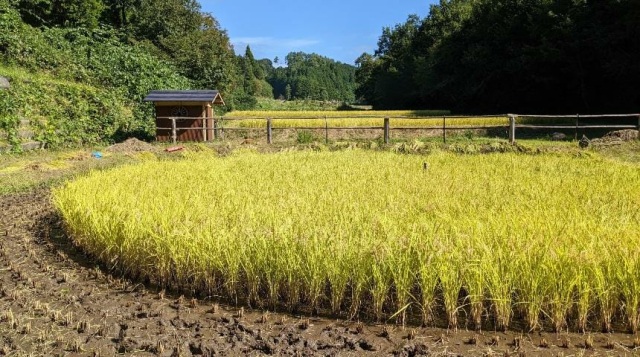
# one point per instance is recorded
(54, 301)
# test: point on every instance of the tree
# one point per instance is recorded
(66, 13)
(287, 92)
(311, 76)
(204, 55)
(158, 20)
(118, 12)
(478, 56)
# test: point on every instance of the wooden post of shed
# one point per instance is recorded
(386, 130)
(206, 121)
(174, 134)
(269, 132)
(512, 129)
(204, 128)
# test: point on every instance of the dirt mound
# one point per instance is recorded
(624, 135)
(616, 137)
(131, 145)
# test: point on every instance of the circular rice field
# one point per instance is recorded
(552, 241)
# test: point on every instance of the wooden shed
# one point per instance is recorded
(184, 115)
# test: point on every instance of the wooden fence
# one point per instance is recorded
(444, 124)
(513, 125)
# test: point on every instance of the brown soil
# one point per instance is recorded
(56, 301)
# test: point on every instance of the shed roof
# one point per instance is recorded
(210, 96)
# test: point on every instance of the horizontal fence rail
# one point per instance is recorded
(579, 122)
(218, 125)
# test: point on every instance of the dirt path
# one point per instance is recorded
(55, 301)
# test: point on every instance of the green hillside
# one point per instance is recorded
(78, 71)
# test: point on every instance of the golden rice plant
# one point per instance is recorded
(484, 238)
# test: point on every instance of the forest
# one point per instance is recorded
(80, 68)
(188, 42)
(496, 56)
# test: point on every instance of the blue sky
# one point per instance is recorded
(341, 30)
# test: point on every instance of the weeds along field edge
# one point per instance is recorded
(551, 239)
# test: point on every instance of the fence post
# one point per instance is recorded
(326, 130)
(512, 129)
(222, 128)
(444, 129)
(386, 130)
(269, 131)
(577, 123)
(215, 129)
(174, 134)
(638, 127)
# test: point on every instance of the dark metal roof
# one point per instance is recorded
(210, 96)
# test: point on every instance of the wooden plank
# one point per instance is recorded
(573, 126)
(239, 129)
(582, 116)
(329, 128)
(172, 104)
(179, 128)
(448, 127)
(183, 118)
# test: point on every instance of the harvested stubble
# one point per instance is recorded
(542, 235)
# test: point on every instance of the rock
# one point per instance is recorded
(4, 83)
(558, 136)
(584, 142)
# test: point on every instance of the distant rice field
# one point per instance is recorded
(366, 119)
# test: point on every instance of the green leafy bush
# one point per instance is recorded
(80, 86)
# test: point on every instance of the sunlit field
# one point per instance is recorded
(551, 240)
(356, 119)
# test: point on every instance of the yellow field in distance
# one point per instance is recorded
(369, 118)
